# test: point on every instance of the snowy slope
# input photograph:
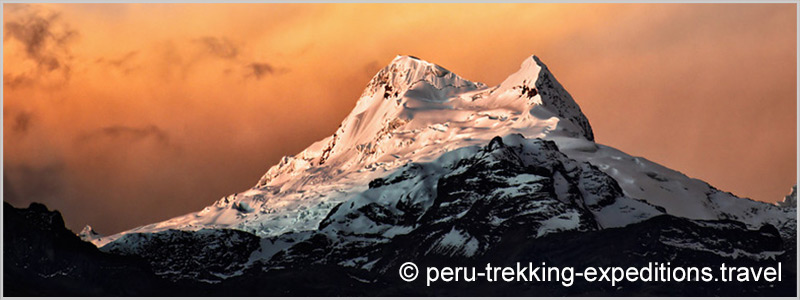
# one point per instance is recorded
(466, 200)
(414, 111)
(679, 194)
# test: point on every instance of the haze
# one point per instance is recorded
(120, 115)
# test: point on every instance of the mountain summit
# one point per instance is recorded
(535, 78)
(406, 73)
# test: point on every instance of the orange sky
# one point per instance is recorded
(120, 115)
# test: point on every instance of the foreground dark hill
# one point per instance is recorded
(43, 258)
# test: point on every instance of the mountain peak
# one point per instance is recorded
(534, 78)
(88, 234)
(406, 72)
(409, 62)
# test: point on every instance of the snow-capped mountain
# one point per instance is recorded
(414, 111)
(411, 111)
(432, 168)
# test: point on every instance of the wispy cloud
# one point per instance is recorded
(220, 47)
(22, 121)
(260, 70)
(131, 134)
(124, 63)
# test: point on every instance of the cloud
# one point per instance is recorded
(17, 121)
(226, 49)
(260, 70)
(122, 62)
(220, 47)
(132, 134)
(18, 80)
(43, 38)
(22, 122)
(187, 59)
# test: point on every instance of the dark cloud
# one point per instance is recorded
(22, 122)
(132, 134)
(18, 80)
(259, 70)
(17, 121)
(221, 47)
(123, 62)
(176, 63)
(44, 38)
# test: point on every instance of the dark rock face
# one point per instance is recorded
(203, 255)
(512, 200)
(43, 258)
